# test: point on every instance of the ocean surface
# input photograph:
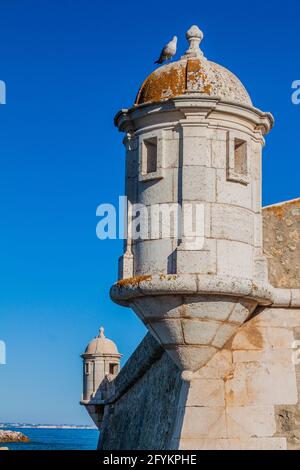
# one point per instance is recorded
(56, 439)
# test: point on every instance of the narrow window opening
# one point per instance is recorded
(151, 155)
(113, 369)
(87, 368)
(240, 157)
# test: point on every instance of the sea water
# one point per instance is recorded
(56, 439)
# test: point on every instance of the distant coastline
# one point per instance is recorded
(45, 426)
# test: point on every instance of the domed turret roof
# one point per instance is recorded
(192, 74)
(102, 345)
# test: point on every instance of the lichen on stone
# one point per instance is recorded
(192, 75)
(133, 281)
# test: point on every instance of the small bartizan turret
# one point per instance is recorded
(101, 364)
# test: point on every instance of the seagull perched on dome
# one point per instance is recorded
(168, 51)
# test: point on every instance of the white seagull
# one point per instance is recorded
(168, 51)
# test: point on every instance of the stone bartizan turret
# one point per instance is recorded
(194, 137)
(101, 364)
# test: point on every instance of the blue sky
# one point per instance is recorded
(69, 67)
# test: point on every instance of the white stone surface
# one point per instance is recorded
(295, 300)
(209, 307)
(168, 331)
(172, 149)
(241, 311)
(205, 422)
(232, 193)
(219, 152)
(250, 421)
(232, 223)
(191, 358)
(203, 262)
(152, 257)
(199, 332)
(279, 317)
(268, 356)
(234, 259)
(166, 306)
(198, 184)
(159, 191)
(218, 367)
(224, 333)
(262, 338)
(196, 151)
(275, 443)
(207, 392)
(262, 384)
(242, 385)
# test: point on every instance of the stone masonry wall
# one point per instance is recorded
(247, 397)
(282, 243)
(288, 417)
(143, 417)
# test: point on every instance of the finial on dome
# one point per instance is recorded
(194, 36)
(101, 332)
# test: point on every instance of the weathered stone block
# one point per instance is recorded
(250, 421)
(191, 358)
(234, 259)
(194, 262)
(172, 149)
(219, 153)
(206, 422)
(232, 192)
(168, 331)
(196, 151)
(282, 243)
(251, 337)
(152, 257)
(168, 306)
(261, 384)
(232, 223)
(233, 444)
(206, 393)
(208, 307)
(159, 191)
(224, 333)
(198, 184)
(199, 332)
(219, 367)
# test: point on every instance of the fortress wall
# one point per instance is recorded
(246, 397)
(147, 394)
(282, 243)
